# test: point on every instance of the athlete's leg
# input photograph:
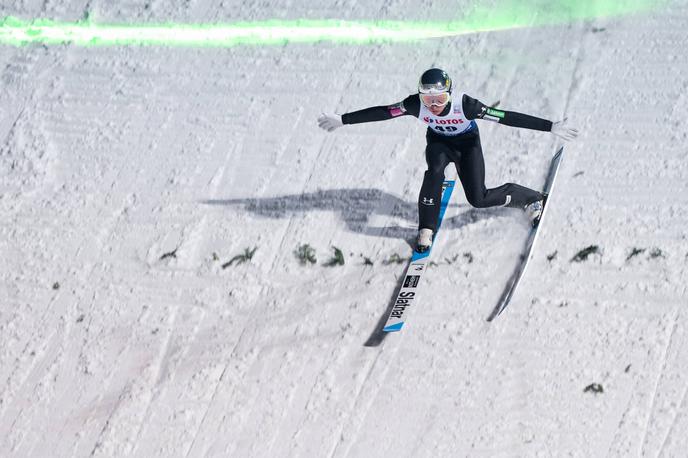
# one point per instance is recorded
(437, 158)
(471, 168)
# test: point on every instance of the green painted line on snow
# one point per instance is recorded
(503, 15)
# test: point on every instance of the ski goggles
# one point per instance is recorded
(437, 100)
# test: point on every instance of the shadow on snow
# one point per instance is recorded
(355, 207)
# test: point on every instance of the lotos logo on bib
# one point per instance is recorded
(449, 121)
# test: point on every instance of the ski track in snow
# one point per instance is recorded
(672, 430)
(129, 175)
(655, 391)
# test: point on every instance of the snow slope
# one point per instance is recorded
(129, 175)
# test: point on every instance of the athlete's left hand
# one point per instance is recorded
(563, 130)
(330, 122)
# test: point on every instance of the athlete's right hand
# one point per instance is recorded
(330, 122)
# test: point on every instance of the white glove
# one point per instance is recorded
(329, 122)
(563, 130)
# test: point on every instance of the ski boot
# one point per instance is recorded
(534, 210)
(424, 240)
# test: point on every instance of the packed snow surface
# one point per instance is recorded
(129, 176)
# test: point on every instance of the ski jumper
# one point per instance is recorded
(453, 136)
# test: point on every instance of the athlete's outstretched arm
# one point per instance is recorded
(379, 113)
(474, 109)
(371, 114)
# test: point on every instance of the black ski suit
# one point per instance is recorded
(463, 150)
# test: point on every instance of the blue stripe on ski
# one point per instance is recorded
(394, 327)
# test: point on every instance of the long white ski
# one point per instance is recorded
(527, 252)
(415, 270)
